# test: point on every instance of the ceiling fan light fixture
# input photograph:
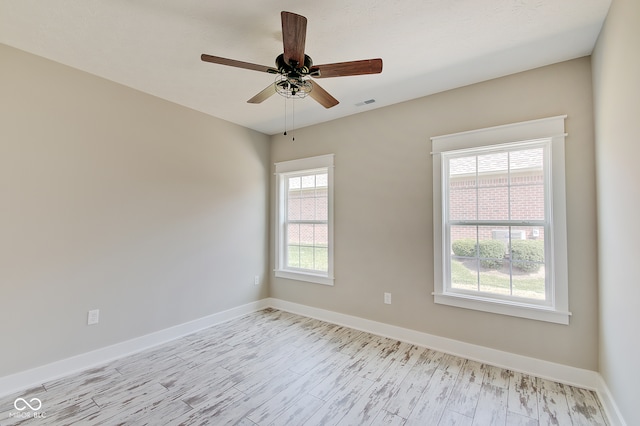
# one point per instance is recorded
(291, 87)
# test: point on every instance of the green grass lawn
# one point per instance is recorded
(308, 257)
(491, 281)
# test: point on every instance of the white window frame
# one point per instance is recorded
(547, 130)
(283, 170)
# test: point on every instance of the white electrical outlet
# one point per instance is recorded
(387, 298)
(93, 317)
(256, 280)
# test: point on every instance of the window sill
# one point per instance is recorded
(304, 276)
(539, 313)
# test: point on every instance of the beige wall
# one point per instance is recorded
(113, 199)
(616, 83)
(383, 211)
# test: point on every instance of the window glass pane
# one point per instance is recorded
(464, 259)
(293, 234)
(464, 241)
(462, 188)
(527, 244)
(293, 245)
(293, 208)
(462, 202)
(308, 181)
(493, 186)
(293, 256)
(322, 197)
(306, 257)
(321, 235)
(488, 244)
(529, 285)
(525, 160)
(308, 198)
(306, 234)
(294, 183)
(527, 255)
(464, 274)
(527, 200)
(492, 247)
(308, 246)
(321, 259)
(322, 208)
(510, 260)
(495, 275)
(322, 180)
(463, 167)
(496, 281)
(497, 233)
(493, 202)
(307, 207)
(293, 198)
(527, 184)
(494, 163)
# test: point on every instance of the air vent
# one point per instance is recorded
(367, 102)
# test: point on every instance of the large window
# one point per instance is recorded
(305, 219)
(500, 229)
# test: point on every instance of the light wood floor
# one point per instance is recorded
(276, 368)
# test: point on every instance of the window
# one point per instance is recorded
(500, 221)
(304, 243)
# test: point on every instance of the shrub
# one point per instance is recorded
(465, 247)
(527, 254)
(493, 252)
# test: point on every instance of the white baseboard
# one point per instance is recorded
(26, 379)
(609, 404)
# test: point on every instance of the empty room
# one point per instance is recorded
(319, 213)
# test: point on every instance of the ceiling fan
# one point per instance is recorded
(294, 68)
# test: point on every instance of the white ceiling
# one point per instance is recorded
(427, 46)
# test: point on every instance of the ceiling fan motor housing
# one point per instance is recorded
(290, 69)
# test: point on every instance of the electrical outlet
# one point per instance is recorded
(256, 280)
(93, 317)
(387, 298)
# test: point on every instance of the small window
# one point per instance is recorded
(305, 219)
(500, 220)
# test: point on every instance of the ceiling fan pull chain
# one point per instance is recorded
(293, 119)
(285, 116)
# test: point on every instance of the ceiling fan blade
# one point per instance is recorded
(263, 95)
(237, 64)
(342, 69)
(322, 96)
(294, 34)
